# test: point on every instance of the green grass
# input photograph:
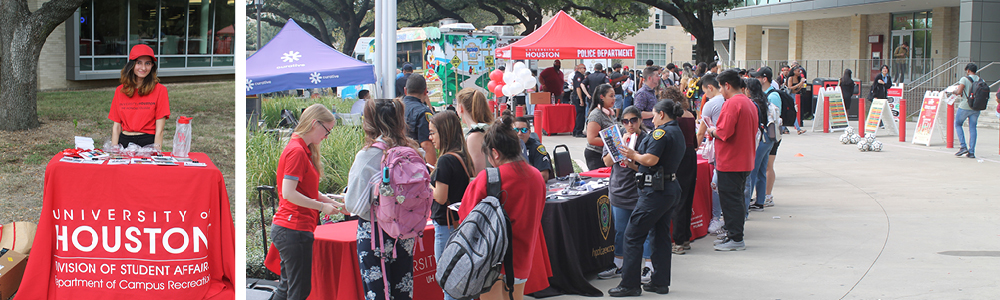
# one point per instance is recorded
(271, 107)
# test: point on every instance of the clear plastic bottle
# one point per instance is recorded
(182, 137)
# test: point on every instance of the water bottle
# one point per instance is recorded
(182, 137)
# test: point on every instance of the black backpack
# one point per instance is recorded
(788, 112)
(979, 94)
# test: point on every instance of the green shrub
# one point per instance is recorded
(271, 107)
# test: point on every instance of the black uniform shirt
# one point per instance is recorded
(667, 143)
(418, 118)
(537, 157)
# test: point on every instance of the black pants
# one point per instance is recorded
(652, 213)
(295, 248)
(581, 119)
(687, 172)
(731, 185)
(594, 159)
(141, 140)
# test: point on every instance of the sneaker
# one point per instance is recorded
(756, 207)
(652, 288)
(678, 249)
(613, 272)
(961, 152)
(647, 275)
(686, 245)
(715, 226)
(722, 234)
(768, 201)
(971, 155)
(620, 291)
(731, 245)
(722, 240)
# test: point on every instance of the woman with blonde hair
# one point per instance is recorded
(141, 106)
(471, 106)
(299, 172)
(384, 122)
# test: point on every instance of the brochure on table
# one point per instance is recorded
(879, 116)
(837, 113)
(930, 116)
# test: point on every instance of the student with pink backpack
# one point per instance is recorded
(389, 190)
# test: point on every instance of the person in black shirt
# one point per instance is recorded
(450, 178)
(534, 151)
(616, 81)
(401, 79)
(658, 157)
(418, 116)
(579, 98)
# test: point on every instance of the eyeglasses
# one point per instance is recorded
(521, 130)
(630, 121)
(324, 128)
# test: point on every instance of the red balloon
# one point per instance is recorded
(497, 76)
(498, 90)
(490, 86)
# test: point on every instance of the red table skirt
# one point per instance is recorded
(555, 118)
(336, 275)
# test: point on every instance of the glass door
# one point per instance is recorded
(902, 55)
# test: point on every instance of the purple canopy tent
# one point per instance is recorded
(294, 59)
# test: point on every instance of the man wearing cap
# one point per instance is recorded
(552, 80)
(401, 79)
(765, 75)
(140, 107)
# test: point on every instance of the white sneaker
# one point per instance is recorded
(731, 245)
(768, 201)
(647, 275)
(613, 272)
(715, 226)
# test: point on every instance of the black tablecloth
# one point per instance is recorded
(580, 235)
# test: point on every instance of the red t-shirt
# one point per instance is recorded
(295, 164)
(736, 130)
(139, 113)
(524, 202)
(553, 80)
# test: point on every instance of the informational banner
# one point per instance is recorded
(928, 118)
(837, 112)
(874, 117)
(895, 95)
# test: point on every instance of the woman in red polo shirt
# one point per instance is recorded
(523, 198)
(141, 107)
(299, 171)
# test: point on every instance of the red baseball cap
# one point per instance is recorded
(140, 50)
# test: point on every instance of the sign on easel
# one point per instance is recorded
(837, 113)
(895, 95)
(928, 119)
(876, 114)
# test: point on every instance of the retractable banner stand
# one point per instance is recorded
(895, 95)
(837, 114)
(930, 115)
(879, 115)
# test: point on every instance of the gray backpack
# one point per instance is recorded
(471, 260)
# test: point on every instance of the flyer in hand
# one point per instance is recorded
(612, 137)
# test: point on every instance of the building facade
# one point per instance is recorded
(193, 41)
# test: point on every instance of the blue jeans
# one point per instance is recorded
(619, 101)
(973, 116)
(758, 177)
(716, 207)
(621, 221)
(441, 234)
(628, 101)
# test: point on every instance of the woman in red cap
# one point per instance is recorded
(141, 107)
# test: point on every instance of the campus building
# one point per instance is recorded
(828, 36)
(193, 41)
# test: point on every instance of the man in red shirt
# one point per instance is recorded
(552, 79)
(735, 140)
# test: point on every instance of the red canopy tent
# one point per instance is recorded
(563, 37)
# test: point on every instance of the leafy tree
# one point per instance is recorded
(528, 13)
(22, 34)
(347, 20)
(634, 20)
(696, 18)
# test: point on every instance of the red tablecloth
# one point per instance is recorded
(604, 172)
(555, 118)
(132, 232)
(336, 272)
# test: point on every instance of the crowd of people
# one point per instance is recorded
(672, 115)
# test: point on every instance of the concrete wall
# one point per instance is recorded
(775, 44)
(826, 38)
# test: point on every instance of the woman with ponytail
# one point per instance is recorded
(522, 196)
(471, 106)
(299, 172)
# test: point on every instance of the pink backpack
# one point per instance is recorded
(404, 198)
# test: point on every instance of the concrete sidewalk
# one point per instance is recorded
(911, 222)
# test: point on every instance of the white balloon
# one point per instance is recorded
(519, 65)
(506, 90)
(515, 88)
(529, 82)
(522, 73)
(509, 77)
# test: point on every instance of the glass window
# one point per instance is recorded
(902, 21)
(225, 17)
(114, 63)
(86, 63)
(222, 61)
(86, 26)
(654, 52)
(920, 20)
(110, 22)
(199, 27)
(171, 62)
(143, 25)
(173, 26)
(199, 62)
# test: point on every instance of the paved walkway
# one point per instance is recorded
(910, 222)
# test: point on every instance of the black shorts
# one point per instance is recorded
(774, 149)
(141, 140)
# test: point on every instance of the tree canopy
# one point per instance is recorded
(696, 18)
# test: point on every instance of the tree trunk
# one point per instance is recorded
(22, 35)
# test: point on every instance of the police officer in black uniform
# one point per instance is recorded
(658, 157)
(534, 151)
(418, 116)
